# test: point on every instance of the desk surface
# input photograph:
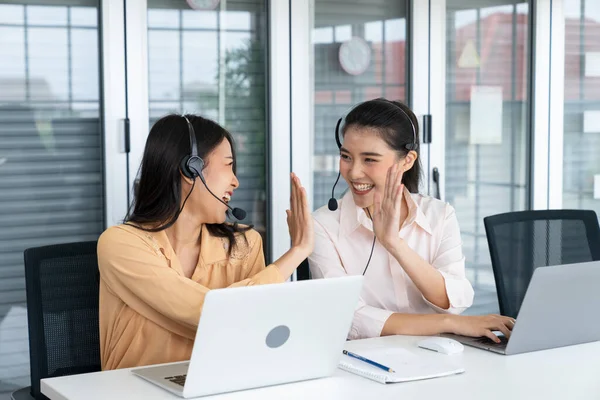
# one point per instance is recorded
(569, 372)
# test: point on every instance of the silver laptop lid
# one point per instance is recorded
(270, 334)
(560, 308)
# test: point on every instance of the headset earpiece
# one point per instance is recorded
(191, 165)
(195, 165)
(185, 170)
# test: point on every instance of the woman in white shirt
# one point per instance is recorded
(415, 281)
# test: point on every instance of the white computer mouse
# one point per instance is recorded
(441, 345)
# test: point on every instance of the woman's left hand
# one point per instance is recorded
(387, 210)
(299, 218)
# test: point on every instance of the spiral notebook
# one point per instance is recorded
(407, 366)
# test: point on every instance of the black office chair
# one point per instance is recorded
(62, 283)
(303, 271)
(521, 241)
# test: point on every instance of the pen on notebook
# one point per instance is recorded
(373, 363)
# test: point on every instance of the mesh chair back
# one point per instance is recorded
(521, 241)
(62, 283)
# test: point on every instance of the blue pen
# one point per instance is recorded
(373, 363)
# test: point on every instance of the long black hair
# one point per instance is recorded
(389, 120)
(157, 202)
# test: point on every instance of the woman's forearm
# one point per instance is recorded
(426, 278)
(290, 260)
(417, 324)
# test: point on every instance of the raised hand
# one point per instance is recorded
(299, 218)
(387, 209)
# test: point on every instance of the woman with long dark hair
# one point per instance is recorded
(176, 245)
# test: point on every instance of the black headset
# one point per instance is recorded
(192, 166)
(333, 204)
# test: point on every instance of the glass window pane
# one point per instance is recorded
(46, 68)
(86, 109)
(12, 64)
(395, 30)
(195, 19)
(236, 20)
(374, 31)
(200, 71)
(49, 67)
(84, 64)
(342, 79)
(217, 69)
(161, 18)
(343, 33)
(84, 16)
(164, 65)
(485, 163)
(12, 14)
(237, 41)
(158, 108)
(43, 15)
(581, 144)
(322, 35)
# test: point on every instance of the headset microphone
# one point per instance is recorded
(238, 213)
(192, 166)
(332, 204)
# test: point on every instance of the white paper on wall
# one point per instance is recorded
(592, 64)
(596, 186)
(486, 115)
(591, 121)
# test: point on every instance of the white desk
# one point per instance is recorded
(566, 373)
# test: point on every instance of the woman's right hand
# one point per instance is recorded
(388, 209)
(299, 219)
(479, 326)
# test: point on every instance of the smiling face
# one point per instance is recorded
(364, 161)
(221, 180)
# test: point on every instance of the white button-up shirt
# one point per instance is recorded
(343, 240)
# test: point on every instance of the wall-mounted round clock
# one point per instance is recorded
(355, 55)
(203, 4)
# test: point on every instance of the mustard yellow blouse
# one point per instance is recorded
(149, 311)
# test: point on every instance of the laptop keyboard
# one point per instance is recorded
(177, 379)
(487, 341)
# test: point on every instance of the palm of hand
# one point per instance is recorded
(386, 222)
(388, 208)
(299, 219)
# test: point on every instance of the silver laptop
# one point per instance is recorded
(264, 335)
(559, 309)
